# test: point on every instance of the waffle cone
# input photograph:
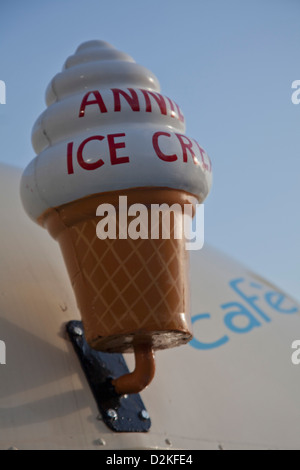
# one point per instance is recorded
(127, 290)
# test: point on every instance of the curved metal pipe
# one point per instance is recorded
(142, 375)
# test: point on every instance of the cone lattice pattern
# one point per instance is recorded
(142, 279)
(127, 288)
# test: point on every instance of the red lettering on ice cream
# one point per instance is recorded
(98, 100)
(180, 115)
(86, 165)
(187, 148)
(132, 100)
(70, 158)
(186, 144)
(172, 107)
(158, 98)
(173, 114)
(202, 153)
(135, 102)
(116, 145)
(159, 153)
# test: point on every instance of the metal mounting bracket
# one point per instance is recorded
(120, 413)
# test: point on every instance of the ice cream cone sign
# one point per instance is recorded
(117, 182)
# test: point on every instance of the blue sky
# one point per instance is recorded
(229, 65)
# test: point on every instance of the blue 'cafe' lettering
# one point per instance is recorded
(276, 300)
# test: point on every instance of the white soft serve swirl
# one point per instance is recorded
(97, 65)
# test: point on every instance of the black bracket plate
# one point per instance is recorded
(121, 414)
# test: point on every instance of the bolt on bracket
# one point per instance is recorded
(120, 413)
